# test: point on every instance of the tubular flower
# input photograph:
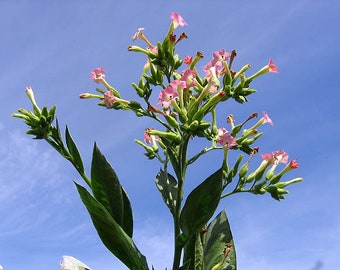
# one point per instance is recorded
(219, 57)
(149, 138)
(98, 74)
(177, 20)
(109, 99)
(266, 119)
(213, 70)
(178, 84)
(280, 156)
(276, 157)
(188, 76)
(263, 120)
(272, 67)
(226, 140)
(293, 164)
(166, 96)
(30, 94)
(137, 34)
(188, 60)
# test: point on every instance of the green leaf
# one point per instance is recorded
(108, 191)
(217, 236)
(201, 204)
(73, 150)
(193, 252)
(168, 187)
(127, 217)
(111, 234)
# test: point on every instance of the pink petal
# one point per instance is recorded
(272, 67)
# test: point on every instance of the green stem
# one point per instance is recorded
(182, 163)
(202, 152)
(234, 192)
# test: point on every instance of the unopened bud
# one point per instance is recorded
(284, 184)
(244, 169)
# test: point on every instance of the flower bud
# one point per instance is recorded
(286, 183)
(166, 135)
(139, 90)
(30, 94)
(148, 149)
(241, 71)
(171, 120)
(244, 169)
(210, 104)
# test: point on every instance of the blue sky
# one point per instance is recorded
(53, 46)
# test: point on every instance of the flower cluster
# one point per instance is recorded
(186, 99)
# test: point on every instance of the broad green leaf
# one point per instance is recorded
(217, 236)
(73, 150)
(167, 186)
(201, 204)
(193, 252)
(127, 217)
(108, 191)
(111, 234)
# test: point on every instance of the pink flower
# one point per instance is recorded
(97, 74)
(177, 20)
(216, 69)
(178, 84)
(188, 76)
(267, 156)
(219, 57)
(293, 164)
(147, 137)
(272, 67)
(137, 34)
(166, 96)
(153, 49)
(266, 118)
(276, 157)
(280, 156)
(109, 99)
(188, 60)
(226, 140)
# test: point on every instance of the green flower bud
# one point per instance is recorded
(259, 189)
(286, 183)
(148, 149)
(240, 99)
(247, 91)
(208, 106)
(171, 121)
(203, 125)
(241, 71)
(171, 136)
(139, 90)
(244, 169)
(194, 125)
